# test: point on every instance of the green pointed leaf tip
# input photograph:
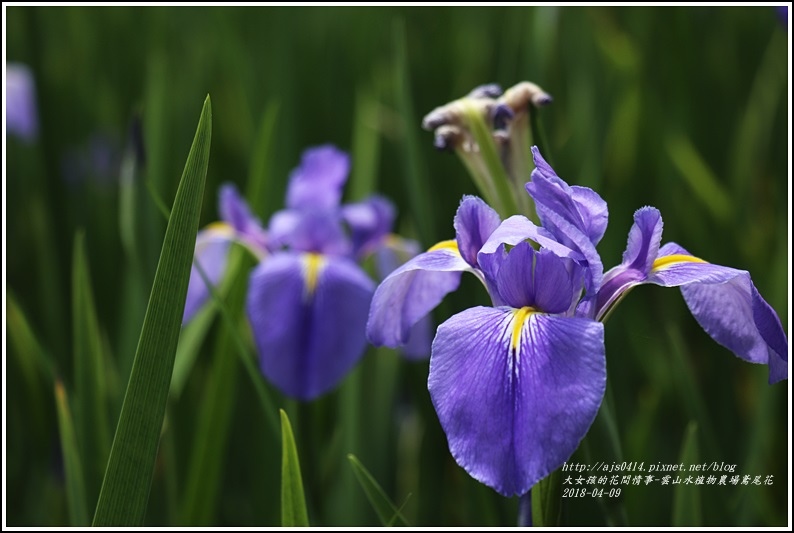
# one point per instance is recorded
(91, 418)
(128, 478)
(73, 469)
(293, 503)
(388, 513)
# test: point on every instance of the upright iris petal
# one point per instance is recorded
(317, 183)
(308, 314)
(723, 300)
(576, 216)
(517, 387)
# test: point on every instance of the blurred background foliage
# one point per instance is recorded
(683, 108)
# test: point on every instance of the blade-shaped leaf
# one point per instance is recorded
(388, 513)
(686, 497)
(125, 490)
(546, 500)
(75, 486)
(293, 503)
(91, 418)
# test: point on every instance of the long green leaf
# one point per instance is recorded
(128, 478)
(388, 513)
(214, 413)
(546, 500)
(414, 168)
(686, 496)
(75, 485)
(91, 416)
(293, 503)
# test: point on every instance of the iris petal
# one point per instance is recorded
(474, 223)
(411, 292)
(317, 182)
(644, 238)
(369, 222)
(512, 416)
(212, 248)
(519, 228)
(307, 341)
(580, 207)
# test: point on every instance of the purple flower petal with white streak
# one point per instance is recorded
(212, 249)
(317, 182)
(308, 315)
(411, 292)
(369, 222)
(474, 223)
(519, 228)
(515, 400)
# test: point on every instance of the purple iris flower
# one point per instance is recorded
(502, 378)
(723, 300)
(308, 298)
(21, 115)
(517, 385)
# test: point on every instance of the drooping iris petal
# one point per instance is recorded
(515, 399)
(317, 182)
(369, 222)
(727, 306)
(723, 300)
(771, 330)
(212, 249)
(393, 252)
(475, 221)
(21, 115)
(234, 211)
(411, 292)
(308, 315)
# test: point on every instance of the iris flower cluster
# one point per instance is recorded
(517, 385)
(308, 298)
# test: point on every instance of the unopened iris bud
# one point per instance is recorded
(448, 137)
(501, 114)
(519, 96)
(489, 90)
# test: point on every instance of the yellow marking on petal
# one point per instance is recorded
(220, 228)
(667, 260)
(520, 316)
(451, 244)
(313, 264)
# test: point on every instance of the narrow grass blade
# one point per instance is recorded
(546, 500)
(214, 413)
(190, 341)
(75, 486)
(366, 147)
(293, 503)
(91, 416)
(701, 179)
(417, 185)
(125, 490)
(686, 496)
(260, 191)
(388, 513)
